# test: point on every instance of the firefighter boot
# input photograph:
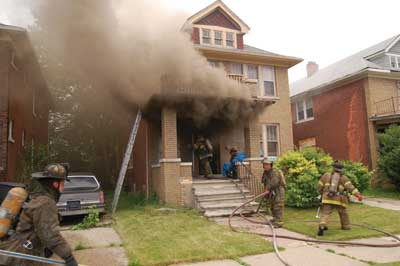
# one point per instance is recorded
(320, 231)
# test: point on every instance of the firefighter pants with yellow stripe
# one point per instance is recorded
(327, 210)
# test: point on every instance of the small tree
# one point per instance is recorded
(389, 154)
(32, 159)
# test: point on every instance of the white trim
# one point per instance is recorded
(186, 164)
(10, 131)
(393, 44)
(211, 8)
(155, 165)
(303, 101)
(254, 159)
(305, 120)
(261, 79)
(223, 31)
(170, 160)
(265, 139)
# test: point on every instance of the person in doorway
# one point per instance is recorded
(204, 151)
(334, 188)
(275, 186)
(38, 231)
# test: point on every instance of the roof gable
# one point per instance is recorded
(218, 10)
(219, 18)
(395, 46)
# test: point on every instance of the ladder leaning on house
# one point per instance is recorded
(125, 161)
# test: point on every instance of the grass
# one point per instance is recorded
(386, 264)
(382, 193)
(359, 214)
(80, 246)
(152, 237)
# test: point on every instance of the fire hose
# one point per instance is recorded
(31, 257)
(274, 236)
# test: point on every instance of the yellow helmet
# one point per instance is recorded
(56, 171)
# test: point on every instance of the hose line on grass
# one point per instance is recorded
(274, 236)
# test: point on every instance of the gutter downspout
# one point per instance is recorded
(147, 161)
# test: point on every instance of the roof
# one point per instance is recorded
(210, 8)
(342, 69)
(249, 50)
(11, 28)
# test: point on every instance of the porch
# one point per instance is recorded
(173, 130)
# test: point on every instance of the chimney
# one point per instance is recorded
(312, 68)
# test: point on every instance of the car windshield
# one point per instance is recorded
(81, 183)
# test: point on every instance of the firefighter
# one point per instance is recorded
(334, 188)
(233, 173)
(204, 151)
(274, 185)
(38, 231)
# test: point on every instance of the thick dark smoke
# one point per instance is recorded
(129, 49)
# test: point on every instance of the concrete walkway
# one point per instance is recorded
(308, 254)
(390, 204)
(97, 247)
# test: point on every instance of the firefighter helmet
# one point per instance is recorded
(55, 171)
(338, 167)
(267, 161)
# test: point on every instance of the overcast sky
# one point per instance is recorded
(324, 31)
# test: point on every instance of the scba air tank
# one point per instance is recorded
(333, 188)
(10, 208)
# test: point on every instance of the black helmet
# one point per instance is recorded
(55, 171)
(338, 167)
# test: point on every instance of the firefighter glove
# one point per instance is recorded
(359, 197)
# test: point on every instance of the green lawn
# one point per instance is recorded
(382, 193)
(387, 264)
(359, 214)
(152, 237)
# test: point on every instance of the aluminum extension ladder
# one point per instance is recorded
(125, 161)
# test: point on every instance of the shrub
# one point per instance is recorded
(91, 220)
(389, 154)
(358, 174)
(303, 169)
(301, 178)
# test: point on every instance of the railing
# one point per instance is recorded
(249, 180)
(236, 77)
(388, 106)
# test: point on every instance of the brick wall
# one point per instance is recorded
(4, 68)
(239, 39)
(218, 18)
(169, 133)
(340, 123)
(196, 35)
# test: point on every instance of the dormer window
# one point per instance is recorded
(229, 39)
(218, 38)
(394, 61)
(206, 36)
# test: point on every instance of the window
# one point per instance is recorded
(268, 84)
(206, 36)
(213, 63)
(252, 71)
(10, 131)
(234, 68)
(271, 140)
(394, 61)
(304, 110)
(218, 37)
(229, 39)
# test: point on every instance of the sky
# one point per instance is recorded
(323, 31)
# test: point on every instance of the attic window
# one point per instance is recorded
(218, 37)
(395, 61)
(206, 36)
(229, 39)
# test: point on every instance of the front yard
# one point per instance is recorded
(155, 237)
(386, 220)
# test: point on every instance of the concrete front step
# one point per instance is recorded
(215, 187)
(224, 212)
(225, 205)
(234, 198)
(211, 181)
(219, 193)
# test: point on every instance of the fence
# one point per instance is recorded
(249, 180)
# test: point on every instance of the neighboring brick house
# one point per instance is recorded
(170, 166)
(24, 99)
(342, 107)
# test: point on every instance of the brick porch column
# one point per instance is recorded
(169, 164)
(253, 142)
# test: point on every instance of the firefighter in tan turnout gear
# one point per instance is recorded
(335, 189)
(38, 231)
(204, 150)
(274, 185)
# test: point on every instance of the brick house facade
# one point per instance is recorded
(169, 134)
(342, 107)
(23, 117)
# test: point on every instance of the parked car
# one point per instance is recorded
(80, 192)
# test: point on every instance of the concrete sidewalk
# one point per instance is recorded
(390, 204)
(299, 253)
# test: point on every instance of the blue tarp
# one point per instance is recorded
(229, 165)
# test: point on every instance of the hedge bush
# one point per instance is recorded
(389, 154)
(303, 169)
